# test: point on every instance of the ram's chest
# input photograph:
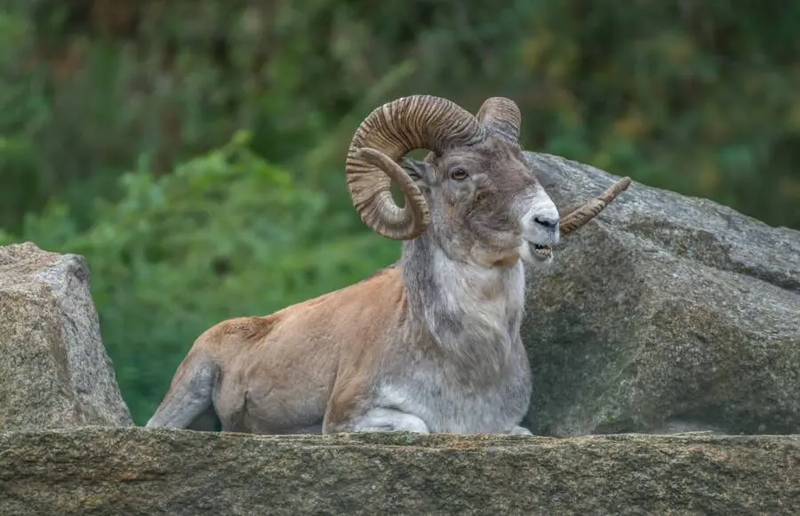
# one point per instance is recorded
(452, 403)
(462, 367)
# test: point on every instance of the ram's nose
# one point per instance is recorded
(547, 222)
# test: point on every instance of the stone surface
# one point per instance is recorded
(134, 471)
(665, 313)
(54, 370)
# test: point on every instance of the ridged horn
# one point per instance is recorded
(502, 116)
(583, 214)
(382, 139)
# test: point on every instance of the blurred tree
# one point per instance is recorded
(699, 97)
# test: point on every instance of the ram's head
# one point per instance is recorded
(474, 194)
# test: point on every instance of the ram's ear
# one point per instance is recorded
(420, 171)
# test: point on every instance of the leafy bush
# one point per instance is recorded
(227, 234)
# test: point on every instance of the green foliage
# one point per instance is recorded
(225, 235)
(697, 97)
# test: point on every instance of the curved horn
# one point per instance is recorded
(502, 116)
(385, 136)
(583, 214)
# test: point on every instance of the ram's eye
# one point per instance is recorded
(459, 174)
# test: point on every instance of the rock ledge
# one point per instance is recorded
(100, 470)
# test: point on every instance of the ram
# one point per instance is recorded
(429, 344)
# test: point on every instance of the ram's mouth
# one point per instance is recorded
(542, 252)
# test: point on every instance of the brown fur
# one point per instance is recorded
(290, 363)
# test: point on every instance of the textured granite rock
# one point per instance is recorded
(54, 370)
(141, 471)
(666, 313)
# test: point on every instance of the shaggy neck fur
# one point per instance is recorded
(471, 313)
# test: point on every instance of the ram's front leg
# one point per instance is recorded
(387, 420)
(518, 430)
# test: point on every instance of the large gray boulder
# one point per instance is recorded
(54, 370)
(665, 313)
(150, 472)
